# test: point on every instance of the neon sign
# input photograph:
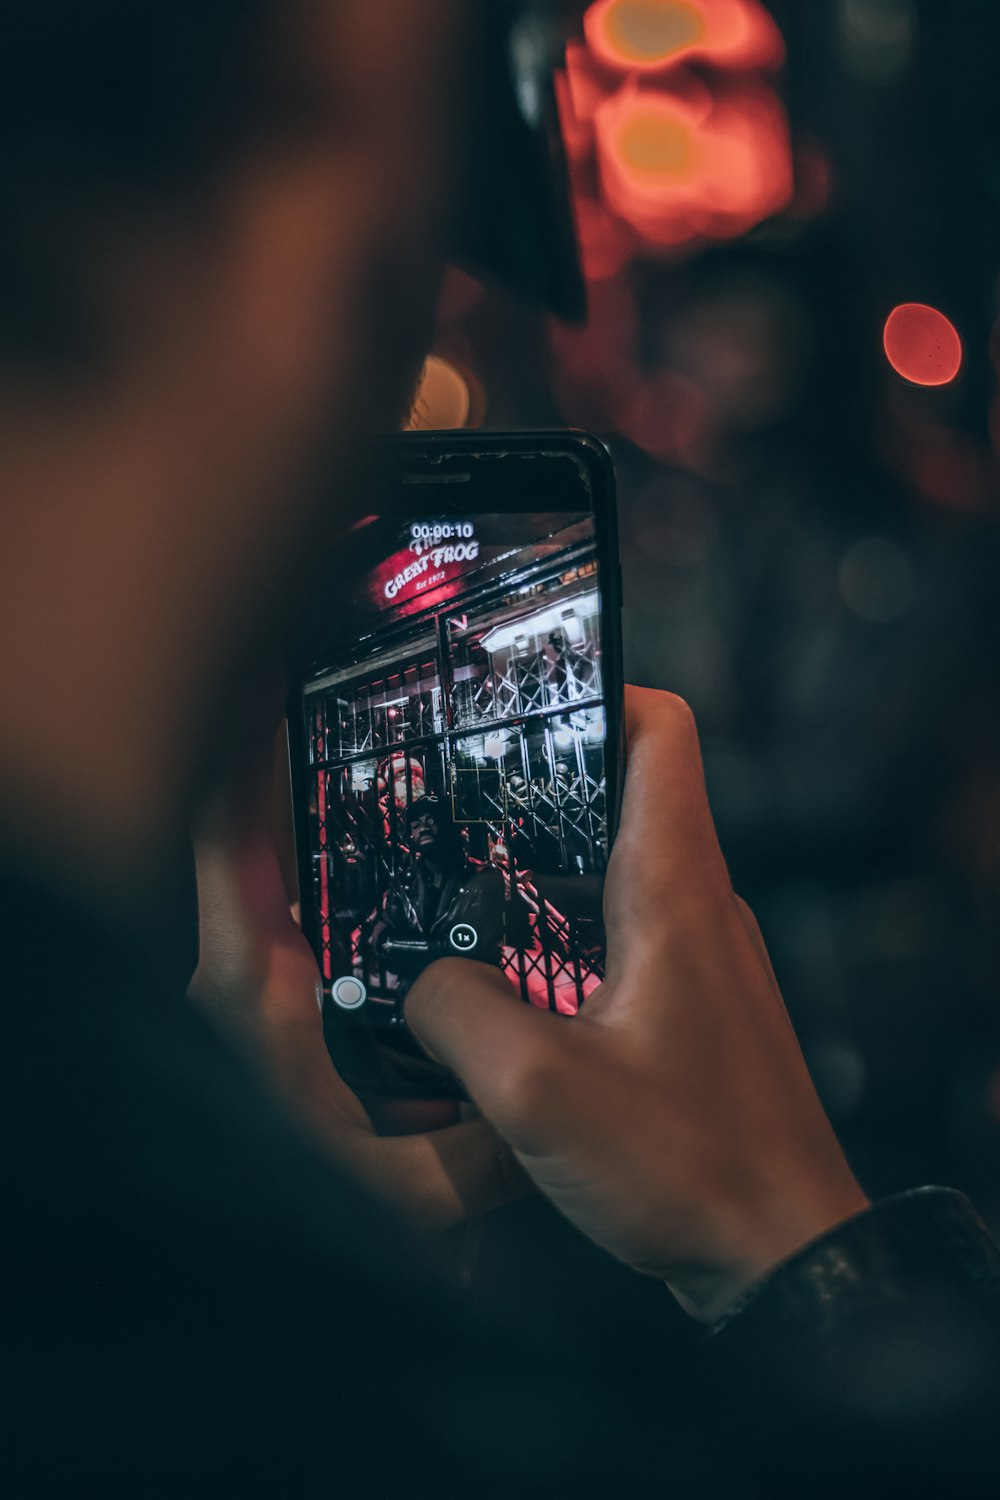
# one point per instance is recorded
(435, 545)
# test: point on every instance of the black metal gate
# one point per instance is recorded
(495, 704)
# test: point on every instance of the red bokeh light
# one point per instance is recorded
(606, 246)
(813, 182)
(580, 90)
(651, 35)
(676, 140)
(922, 344)
(669, 156)
(699, 166)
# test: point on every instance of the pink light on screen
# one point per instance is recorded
(536, 986)
(324, 876)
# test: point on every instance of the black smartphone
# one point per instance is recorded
(455, 732)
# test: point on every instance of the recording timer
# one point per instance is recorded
(430, 532)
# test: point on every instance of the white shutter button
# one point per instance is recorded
(349, 993)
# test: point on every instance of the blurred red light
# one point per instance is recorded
(672, 419)
(580, 90)
(813, 182)
(680, 169)
(922, 344)
(649, 35)
(605, 244)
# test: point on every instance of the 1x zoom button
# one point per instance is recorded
(463, 937)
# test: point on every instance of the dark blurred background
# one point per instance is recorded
(810, 538)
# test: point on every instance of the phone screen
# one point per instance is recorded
(454, 731)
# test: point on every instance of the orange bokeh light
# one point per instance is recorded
(444, 398)
(701, 166)
(922, 344)
(650, 35)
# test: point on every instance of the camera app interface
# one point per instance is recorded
(456, 783)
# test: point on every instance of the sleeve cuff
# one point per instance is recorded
(931, 1236)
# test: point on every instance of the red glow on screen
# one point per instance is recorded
(395, 582)
(650, 35)
(922, 345)
(324, 877)
(681, 168)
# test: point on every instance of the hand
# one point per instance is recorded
(257, 975)
(673, 1120)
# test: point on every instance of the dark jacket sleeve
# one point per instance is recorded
(200, 1303)
(478, 905)
(869, 1363)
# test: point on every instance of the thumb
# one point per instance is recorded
(470, 1019)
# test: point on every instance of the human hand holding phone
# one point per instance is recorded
(258, 976)
(674, 1120)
